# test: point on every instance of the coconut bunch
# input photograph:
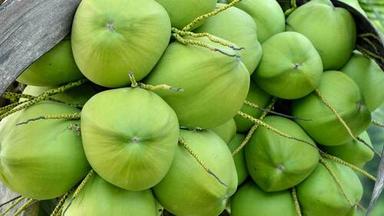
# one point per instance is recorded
(195, 108)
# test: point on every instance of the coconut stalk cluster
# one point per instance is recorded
(195, 108)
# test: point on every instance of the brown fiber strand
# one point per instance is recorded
(59, 207)
(14, 203)
(253, 129)
(194, 155)
(68, 117)
(296, 201)
(24, 207)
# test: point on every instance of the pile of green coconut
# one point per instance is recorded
(195, 108)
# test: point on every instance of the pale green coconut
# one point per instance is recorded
(188, 189)
(331, 29)
(343, 94)
(320, 195)
(183, 12)
(112, 38)
(130, 137)
(215, 85)
(43, 159)
(277, 163)
(100, 198)
(54, 68)
(353, 152)
(226, 131)
(258, 97)
(236, 26)
(241, 166)
(79, 95)
(251, 200)
(290, 68)
(369, 77)
(268, 15)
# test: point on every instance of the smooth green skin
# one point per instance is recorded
(355, 4)
(251, 200)
(236, 26)
(290, 68)
(56, 67)
(43, 159)
(258, 97)
(353, 152)
(99, 198)
(276, 163)
(112, 38)
(334, 35)
(130, 137)
(268, 15)
(241, 166)
(226, 131)
(344, 96)
(79, 95)
(183, 12)
(188, 189)
(215, 85)
(320, 195)
(369, 77)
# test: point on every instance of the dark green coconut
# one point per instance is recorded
(226, 131)
(342, 93)
(277, 163)
(215, 85)
(43, 159)
(290, 68)
(331, 29)
(258, 97)
(320, 195)
(54, 68)
(100, 198)
(130, 137)
(188, 189)
(236, 26)
(251, 200)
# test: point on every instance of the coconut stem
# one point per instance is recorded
(369, 53)
(161, 86)
(378, 124)
(68, 117)
(13, 96)
(131, 76)
(79, 189)
(59, 207)
(337, 181)
(341, 120)
(194, 155)
(278, 132)
(355, 168)
(24, 207)
(255, 106)
(253, 129)
(296, 201)
(44, 96)
(199, 19)
(293, 7)
(14, 202)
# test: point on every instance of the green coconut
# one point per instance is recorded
(320, 195)
(342, 93)
(99, 198)
(79, 95)
(251, 200)
(112, 38)
(226, 131)
(258, 97)
(188, 189)
(277, 163)
(54, 68)
(215, 85)
(268, 15)
(236, 26)
(130, 142)
(353, 152)
(290, 68)
(241, 166)
(369, 77)
(43, 159)
(331, 29)
(183, 12)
